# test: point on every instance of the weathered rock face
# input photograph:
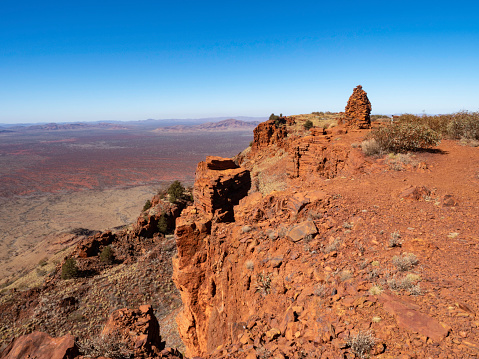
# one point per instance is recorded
(91, 246)
(219, 267)
(269, 132)
(138, 328)
(219, 185)
(320, 154)
(358, 109)
(147, 225)
(40, 345)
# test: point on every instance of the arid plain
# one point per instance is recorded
(56, 181)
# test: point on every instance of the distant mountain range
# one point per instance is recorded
(168, 125)
(221, 126)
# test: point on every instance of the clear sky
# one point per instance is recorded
(132, 60)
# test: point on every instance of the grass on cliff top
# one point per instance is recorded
(319, 119)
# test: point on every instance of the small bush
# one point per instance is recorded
(400, 283)
(106, 255)
(395, 240)
(273, 117)
(362, 343)
(308, 124)
(375, 290)
(404, 137)
(405, 262)
(175, 191)
(416, 290)
(69, 269)
(263, 283)
(163, 224)
(371, 148)
(147, 205)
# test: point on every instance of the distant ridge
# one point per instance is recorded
(221, 126)
(72, 126)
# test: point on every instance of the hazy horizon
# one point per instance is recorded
(114, 61)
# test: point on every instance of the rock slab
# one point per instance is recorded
(40, 345)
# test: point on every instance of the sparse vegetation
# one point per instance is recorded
(371, 148)
(163, 224)
(249, 265)
(106, 255)
(405, 262)
(453, 126)
(395, 240)
(375, 290)
(398, 161)
(70, 269)
(175, 191)
(263, 283)
(362, 343)
(308, 125)
(401, 137)
(147, 205)
(110, 346)
(273, 117)
(379, 117)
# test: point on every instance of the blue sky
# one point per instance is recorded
(133, 60)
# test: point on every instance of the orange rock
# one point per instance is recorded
(40, 345)
(409, 317)
(358, 109)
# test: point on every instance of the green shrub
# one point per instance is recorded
(106, 255)
(454, 126)
(273, 117)
(404, 137)
(69, 269)
(175, 191)
(308, 124)
(163, 224)
(147, 205)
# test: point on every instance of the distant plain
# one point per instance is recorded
(54, 181)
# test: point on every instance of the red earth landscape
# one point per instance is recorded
(323, 239)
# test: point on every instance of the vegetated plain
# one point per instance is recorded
(55, 179)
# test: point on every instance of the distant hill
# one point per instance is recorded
(73, 126)
(221, 126)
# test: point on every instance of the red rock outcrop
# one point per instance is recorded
(221, 291)
(139, 328)
(321, 154)
(270, 132)
(219, 185)
(147, 224)
(358, 109)
(40, 345)
(91, 246)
